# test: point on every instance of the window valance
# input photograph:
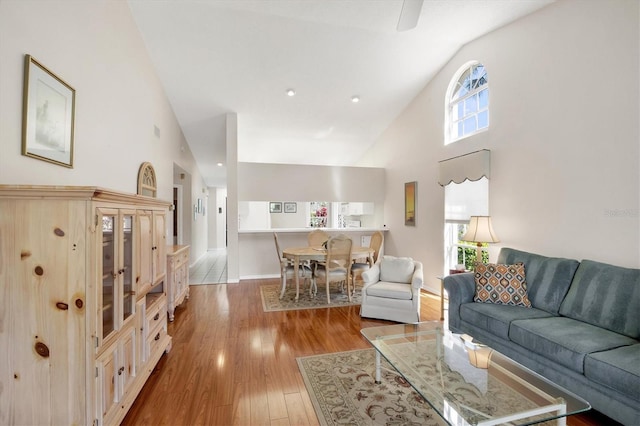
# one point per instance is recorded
(471, 166)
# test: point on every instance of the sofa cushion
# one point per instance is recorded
(390, 290)
(501, 284)
(496, 318)
(396, 269)
(564, 340)
(617, 368)
(548, 278)
(607, 296)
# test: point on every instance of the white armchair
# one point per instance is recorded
(391, 290)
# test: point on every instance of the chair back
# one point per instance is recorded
(376, 244)
(278, 252)
(339, 252)
(317, 237)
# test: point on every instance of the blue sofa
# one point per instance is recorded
(582, 331)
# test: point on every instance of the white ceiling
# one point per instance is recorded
(219, 56)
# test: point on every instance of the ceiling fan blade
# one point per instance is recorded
(409, 14)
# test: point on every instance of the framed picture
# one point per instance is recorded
(48, 112)
(290, 207)
(275, 207)
(410, 203)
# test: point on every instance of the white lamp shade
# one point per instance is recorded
(480, 230)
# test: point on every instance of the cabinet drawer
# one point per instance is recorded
(155, 340)
(156, 315)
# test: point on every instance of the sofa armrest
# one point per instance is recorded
(460, 288)
(372, 275)
(418, 276)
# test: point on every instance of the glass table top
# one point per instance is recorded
(467, 383)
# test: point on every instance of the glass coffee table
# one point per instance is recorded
(467, 383)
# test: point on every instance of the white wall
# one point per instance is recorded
(96, 48)
(293, 182)
(563, 134)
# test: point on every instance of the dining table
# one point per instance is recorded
(300, 254)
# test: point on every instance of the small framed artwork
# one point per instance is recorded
(48, 112)
(275, 207)
(290, 207)
(410, 203)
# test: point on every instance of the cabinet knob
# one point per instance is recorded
(157, 337)
(155, 318)
(120, 371)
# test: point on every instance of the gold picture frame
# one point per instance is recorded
(48, 115)
(410, 190)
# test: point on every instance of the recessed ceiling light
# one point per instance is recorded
(355, 99)
(291, 92)
(220, 164)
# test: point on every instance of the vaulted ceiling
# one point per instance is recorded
(219, 56)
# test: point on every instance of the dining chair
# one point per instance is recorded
(287, 270)
(317, 238)
(358, 268)
(337, 267)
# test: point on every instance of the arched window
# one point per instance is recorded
(467, 103)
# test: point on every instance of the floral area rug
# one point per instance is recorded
(343, 391)
(271, 297)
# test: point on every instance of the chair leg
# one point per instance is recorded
(327, 286)
(284, 286)
(349, 287)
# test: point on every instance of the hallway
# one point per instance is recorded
(210, 269)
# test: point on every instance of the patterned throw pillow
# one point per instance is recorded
(501, 284)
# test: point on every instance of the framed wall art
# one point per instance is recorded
(290, 207)
(48, 113)
(275, 207)
(410, 189)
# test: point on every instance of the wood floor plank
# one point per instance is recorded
(234, 364)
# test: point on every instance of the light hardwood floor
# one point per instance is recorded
(233, 364)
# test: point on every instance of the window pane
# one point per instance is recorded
(483, 120)
(471, 105)
(479, 76)
(483, 99)
(460, 129)
(460, 92)
(457, 111)
(470, 125)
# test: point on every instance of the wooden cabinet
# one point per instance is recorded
(153, 256)
(177, 277)
(80, 333)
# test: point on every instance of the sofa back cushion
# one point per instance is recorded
(548, 278)
(396, 269)
(606, 296)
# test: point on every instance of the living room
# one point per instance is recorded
(564, 132)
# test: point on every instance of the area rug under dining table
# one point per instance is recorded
(343, 392)
(271, 301)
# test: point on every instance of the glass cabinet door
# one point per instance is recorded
(118, 268)
(108, 273)
(128, 299)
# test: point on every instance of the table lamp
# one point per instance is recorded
(480, 231)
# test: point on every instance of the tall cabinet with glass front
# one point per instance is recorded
(74, 303)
